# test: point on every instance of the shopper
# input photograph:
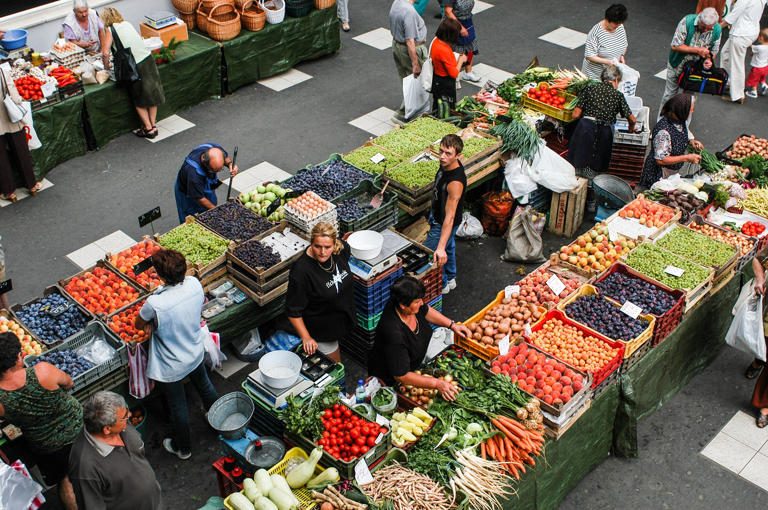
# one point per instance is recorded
(670, 140)
(606, 43)
(447, 207)
(320, 303)
(147, 92)
(446, 66)
(760, 393)
(342, 11)
(759, 72)
(461, 11)
(409, 50)
(14, 149)
(403, 335)
(744, 24)
(35, 399)
(83, 27)
(108, 466)
(697, 36)
(176, 349)
(196, 182)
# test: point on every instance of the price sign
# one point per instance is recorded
(362, 473)
(527, 330)
(378, 158)
(55, 311)
(556, 285)
(149, 216)
(381, 420)
(504, 346)
(674, 271)
(49, 88)
(379, 438)
(631, 309)
(511, 289)
(6, 286)
(143, 265)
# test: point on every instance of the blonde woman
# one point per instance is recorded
(320, 304)
(146, 93)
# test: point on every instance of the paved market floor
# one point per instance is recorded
(333, 106)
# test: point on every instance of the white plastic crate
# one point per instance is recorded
(641, 138)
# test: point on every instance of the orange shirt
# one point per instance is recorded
(443, 60)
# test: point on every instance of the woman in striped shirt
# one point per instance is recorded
(606, 42)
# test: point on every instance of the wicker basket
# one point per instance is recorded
(185, 6)
(274, 9)
(242, 4)
(324, 4)
(188, 19)
(204, 9)
(223, 23)
(252, 16)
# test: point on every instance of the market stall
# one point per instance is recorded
(60, 128)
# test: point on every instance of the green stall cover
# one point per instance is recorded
(237, 320)
(60, 129)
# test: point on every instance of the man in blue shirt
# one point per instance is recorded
(196, 182)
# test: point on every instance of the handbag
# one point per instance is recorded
(427, 70)
(695, 78)
(126, 69)
(139, 385)
(16, 112)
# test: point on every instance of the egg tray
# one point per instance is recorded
(48, 290)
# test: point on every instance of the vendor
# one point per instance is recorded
(196, 182)
(403, 335)
(669, 143)
(320, 303)
(83, 27)
(591, 143)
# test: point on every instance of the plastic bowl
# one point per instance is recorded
(365, 244)
(14, 39)
(280, 369)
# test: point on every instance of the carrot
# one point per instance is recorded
(502, 449)
(502, 428)
(510, 447)
(482, 451)
(511, 424)
(491, 448)
(513, 471)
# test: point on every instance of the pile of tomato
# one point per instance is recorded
(347, 435)
(547, 95)
(30, 88)
(752, 228)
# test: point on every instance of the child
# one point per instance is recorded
(759, 65)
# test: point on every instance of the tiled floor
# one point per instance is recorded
(377, 122)
(565, 37)
(22, 193)
(88, 255)
(481, 6)
(661, 74)
(381, 38)
(285, 80)
(170, 126)
(742, 448)
(248, 179)
(486, 73)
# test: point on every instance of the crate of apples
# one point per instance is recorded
(123, 324)
(593, 251)
(29, 346)
(126, 259)
(101, 291)
(648, 213)
(534, 287)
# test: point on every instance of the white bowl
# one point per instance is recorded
(365, 244)
(280, 369)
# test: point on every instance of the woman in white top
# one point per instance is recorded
(146, 93)
(83, 27)
(606, 42)
(744, 23)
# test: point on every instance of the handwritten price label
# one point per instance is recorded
(631, 309)
(674, 271)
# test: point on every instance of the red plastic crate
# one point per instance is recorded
(433, 283)
(609, 368)
(665, 323)
(227, 484)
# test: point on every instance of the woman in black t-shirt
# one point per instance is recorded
(402, 338)
(320, 303)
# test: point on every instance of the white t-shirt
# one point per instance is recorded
(604, 44)
(131, 39)
(744, 18)
(759, 55)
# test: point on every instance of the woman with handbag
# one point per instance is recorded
(14, 150)
(146, 91)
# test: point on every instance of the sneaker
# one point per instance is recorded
(469, 77)
(751, 93)
(763, 89)
(168, 445)
(452, 283)
(446, 289)
(345, 26)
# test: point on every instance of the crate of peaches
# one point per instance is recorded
(126, 259)
(29, 346)
(122, 323)
(593, 252)
(101, 290)
(538, 286)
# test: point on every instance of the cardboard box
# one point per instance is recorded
(179, 31)
(567, 209)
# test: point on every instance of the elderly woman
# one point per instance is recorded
(36, 400)
(670, 140)
(445, 64)
(83, 27)
(760, 393)
(606, 42)
(146, 93)
(461, 11)
(697, 36)
(403, 335)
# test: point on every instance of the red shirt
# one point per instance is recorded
(443, 61)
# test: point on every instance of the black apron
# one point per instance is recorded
(590, 145)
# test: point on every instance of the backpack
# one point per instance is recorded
(695, 78)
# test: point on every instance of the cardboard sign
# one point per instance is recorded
(511, 289)
(362, 473)
(504, 346)
(378, 158)
(556, 285)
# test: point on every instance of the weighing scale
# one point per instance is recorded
(160, 19)
(16, 54)
(277, 398)
(369, 269)
(253, 451)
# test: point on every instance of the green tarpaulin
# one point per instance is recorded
(192, 78)
(60, 129)
(253, 56)
(237, 320)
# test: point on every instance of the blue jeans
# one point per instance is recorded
(177, 404)
(433, 237)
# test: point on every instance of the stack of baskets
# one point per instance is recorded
(252, 16)
(298, 8)
(187, 10)
(274, 9)
(219, 19)
(324, 4)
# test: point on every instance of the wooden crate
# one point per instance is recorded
(567, 210)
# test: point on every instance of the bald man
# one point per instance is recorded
(196, 183)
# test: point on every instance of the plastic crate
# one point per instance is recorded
(565, 115)
(641, 138)
(371, 300)
(629, 346)
(359, 344)
(379, 277)
(15, 309)
(108, 382)
(636, 356)
(118, 361)
(368, 323)
(414, 258)
(598, 376)
(383, 217)
(731, 236)
(45, 102)
(665, 323)
(72, 90)
(226, 483)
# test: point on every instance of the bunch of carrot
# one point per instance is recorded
(514, 447)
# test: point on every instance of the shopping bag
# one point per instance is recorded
(746, 330)
(552, 171)
(524, 242)
(497, 210)
(427, 70)
(139, 385)
(29, 128)
(18, 489)
(629, 80)
(470, 227)
(212, 342)
(415, 98)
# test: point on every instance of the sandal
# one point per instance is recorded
(152, 133)
(140, 132)
(34, 189)
(762, 420)
(752, 371)
(11, 197)
(345, 27)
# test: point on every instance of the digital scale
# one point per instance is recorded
(277, 397)
(369, 269)
(16, 54)
(160, 19)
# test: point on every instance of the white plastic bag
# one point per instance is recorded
(415, 98)
(746, 331)
(516, 173)
(629, 80)
(213, 355)
(470, 227)
(32, 140)
(552, 171)
(17, 489)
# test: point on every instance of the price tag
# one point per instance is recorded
(511, 289)
(381, 420)
(674, 271)
(48, 88)
(362, 473)
(149, 216)
(556, 285)
(378, 158)
(504, 346)
(631, 309)
(6, 286)
(143, 265)
(55, 311)
(379, 438)
(527, 329)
